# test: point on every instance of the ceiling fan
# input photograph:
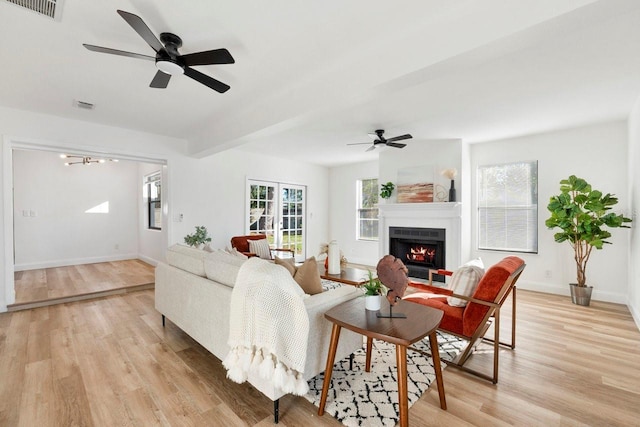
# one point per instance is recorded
(168, 61)
(378, 138)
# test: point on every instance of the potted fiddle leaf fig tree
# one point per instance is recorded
(583, 216)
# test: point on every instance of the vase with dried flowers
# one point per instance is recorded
(451, 174)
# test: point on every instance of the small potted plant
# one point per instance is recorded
(373, 289)
(582, 215)
(386, 190)
(199, 238)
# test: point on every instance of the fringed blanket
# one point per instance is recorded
(269, 327)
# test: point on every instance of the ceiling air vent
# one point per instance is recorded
(84, 105)
(49, 8)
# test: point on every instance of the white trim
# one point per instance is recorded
(150, 261)
(73, 261)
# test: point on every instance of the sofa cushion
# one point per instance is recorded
(464, 281)
(235, 252)
(260, 248)
(222, 267)
(288, 263)
(187, 258)
(308, 277)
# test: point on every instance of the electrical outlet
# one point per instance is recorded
(547, 274)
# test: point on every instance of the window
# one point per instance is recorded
(367, 215)
(508, 207)
(152, 194)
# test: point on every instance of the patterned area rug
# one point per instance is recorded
(359, 398)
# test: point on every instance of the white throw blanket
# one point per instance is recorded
(269, 327)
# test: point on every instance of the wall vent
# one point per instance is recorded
(84, 105)
(49, 8)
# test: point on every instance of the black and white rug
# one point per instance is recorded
(359, 398)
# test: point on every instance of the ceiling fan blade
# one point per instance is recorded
(214, 84)
(373, 136)
(160, 80)
(216, 56)
(373, 147)
(359, 143)
(141, 28)
(399, 138)
(396, 145)
(118, 52)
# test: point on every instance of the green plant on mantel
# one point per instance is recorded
(200, 237)
(373, 286)
(386, 190)
(582, 214)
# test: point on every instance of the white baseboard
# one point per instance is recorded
(597, 295)
(76, 261)
(635, 314)
(148, 260)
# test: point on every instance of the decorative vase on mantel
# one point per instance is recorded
(452, 192)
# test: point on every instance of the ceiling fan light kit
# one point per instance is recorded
(168, 60)
(378, 138)
(83, 160)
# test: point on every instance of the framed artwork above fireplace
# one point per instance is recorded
(416, 184)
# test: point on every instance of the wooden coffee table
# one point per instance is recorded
(420, 322)
(348, 275)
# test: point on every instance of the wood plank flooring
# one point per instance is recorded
(109, 362)
(40, 286)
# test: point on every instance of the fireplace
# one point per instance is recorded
(421, 249)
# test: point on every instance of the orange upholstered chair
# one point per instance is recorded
(241, 244)
(483, 308)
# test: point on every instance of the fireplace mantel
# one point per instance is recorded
(428, 215)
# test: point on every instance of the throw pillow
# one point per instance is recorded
(235, 252)
(260, 248)
(308, 277)
(187, 258)
(464, 281)
(288, 263)
(222, 267)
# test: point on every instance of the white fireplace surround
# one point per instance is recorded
(424, 215)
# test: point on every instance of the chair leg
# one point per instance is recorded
(496, 346)
(513, 318)
(163, 320)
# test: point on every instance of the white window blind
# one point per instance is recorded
(508, 207)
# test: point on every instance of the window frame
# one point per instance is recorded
(360, 209)
(150, 203)
(532, 236)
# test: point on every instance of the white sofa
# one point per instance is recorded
(186, 294)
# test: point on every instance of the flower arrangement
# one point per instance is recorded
(449, 173)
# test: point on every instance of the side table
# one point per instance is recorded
(420, 322)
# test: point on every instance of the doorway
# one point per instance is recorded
(278, 210)
(68, 222)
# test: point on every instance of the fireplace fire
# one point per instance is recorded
(421, 249)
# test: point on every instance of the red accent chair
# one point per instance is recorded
(482, 309)
(241, 244)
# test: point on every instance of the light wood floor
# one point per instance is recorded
(52, 285)
(109, 362)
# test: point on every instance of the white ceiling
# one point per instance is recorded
(311, 77)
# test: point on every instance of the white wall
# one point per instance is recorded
(211, 192)
(633, 287)
(53, 222)
(597, 153)
(342, 213)
(151, 243)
